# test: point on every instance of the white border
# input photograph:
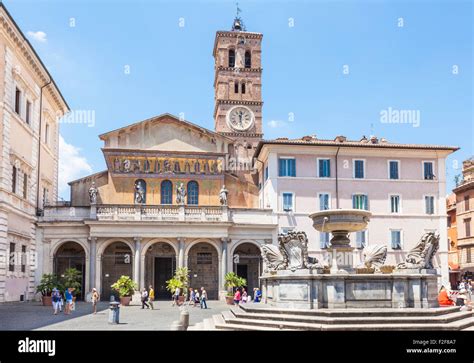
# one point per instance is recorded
(423, 170)
(292, 200)
(434, 204)
(399, 204)
(401, 239)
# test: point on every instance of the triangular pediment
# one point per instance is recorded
(166, 133)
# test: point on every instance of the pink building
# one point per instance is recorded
(403, 185)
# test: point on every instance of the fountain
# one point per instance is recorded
(292, 279)
(300, 292)
(340, 222)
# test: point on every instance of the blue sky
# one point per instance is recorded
(407, 55)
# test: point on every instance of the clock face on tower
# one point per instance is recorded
(240, 118)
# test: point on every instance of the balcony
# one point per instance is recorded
(158, 213)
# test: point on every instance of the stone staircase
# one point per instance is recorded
(263, 318)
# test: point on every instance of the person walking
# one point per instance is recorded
(176, 294)
(144, 297)
(56, 299)
(95, 300)
(203, 298)
(192, 296)
(244, 296)
(197, 298)
(151, 296)
(68, 296)
(237, 297)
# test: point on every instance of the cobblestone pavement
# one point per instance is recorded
(34, 316)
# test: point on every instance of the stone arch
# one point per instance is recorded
(249, 263)
(110, 267)
(157, 265)
(203, 259)
(72, 253)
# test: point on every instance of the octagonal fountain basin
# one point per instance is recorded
(340, 222)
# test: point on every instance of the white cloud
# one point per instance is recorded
(39, 36)
(276, 124)
(72, 165)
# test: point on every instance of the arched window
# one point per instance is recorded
(236, 87)
(243, 87)
(166, 192)
(248, 59)
(193, 193)
(231, 58)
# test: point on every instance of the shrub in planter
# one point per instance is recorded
(233, 281)
(125, 287)
(179, 280)
(72, 278)
(47, 284)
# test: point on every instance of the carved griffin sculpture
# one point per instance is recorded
(375, 256)
(291, 253)
(421, 256)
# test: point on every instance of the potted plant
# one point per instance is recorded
(72, 278)
(233, 281)
(179, 280)
(47, 284)
(125, 287)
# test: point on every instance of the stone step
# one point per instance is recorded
(250, 323)
(238, 327)
(208, 324)
(218, 319)
(350, 311)
(440, 319)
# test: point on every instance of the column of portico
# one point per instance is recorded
(92, 261)
(181, 259)
(136, 263)
(224, 262)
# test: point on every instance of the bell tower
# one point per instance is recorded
(238, 87)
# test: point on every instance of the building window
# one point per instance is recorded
(204, 258)
(428, 170)
(360, 201)
(23, 258)
(14, 179)
(11, 260)
(288, 202)
(323, 201)
(468, 255)
(236, 87)
(45, 196)
(324, 168)
(449, 221)
(231, 58)
(193, 193)
(28, 112)
(467, 227)
(429, 204)
(394, 204)
(25, 186)
(243, 87)
(396, 239)
(324, 240)
(285, 230)
(17, 101)
(266, 173)
(286, 167)
(361, 239)
(46, 134)
(393, 169)
(248, 59)
(466, 203)
(359, 169)
(166, 192)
